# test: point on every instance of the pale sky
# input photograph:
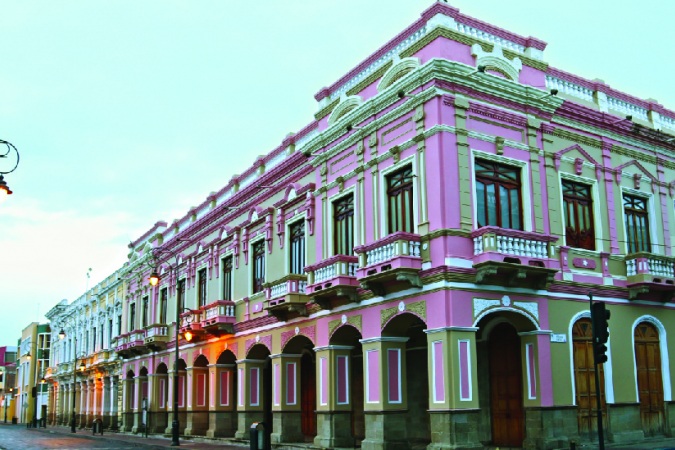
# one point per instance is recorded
(127, 112)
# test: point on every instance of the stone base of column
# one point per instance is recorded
(244, 421)
(106, 421)
(90, 421)
(334, 429)
(158, 422)
(222, 424)
(624, 423)
(455, 429)
(551, 427)
(386, 430)
(197, 424)
(81, 420)
(287, 427)
(114, 423)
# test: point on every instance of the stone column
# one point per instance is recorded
(105, 402)
(249, 395)
(127, 404)
(333, 399)
(157, 387)
(385, 404)
(181, 402)
(454, 411)
(286, 406)
(114, 402)
(91, 402)
(223, 414)
(82, 404)
(137, 407)
(197, 401)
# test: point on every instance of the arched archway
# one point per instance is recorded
(129, 393)
(198, 406)
(223, 418)
(254, 394)
(159, 414)
(301, 380)
(413, 381)
(500, 361)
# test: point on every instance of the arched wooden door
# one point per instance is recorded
(506, 387)
(649, 380)
(584, 379)
(308, 395)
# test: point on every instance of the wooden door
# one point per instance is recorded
(584, 380)
(650, 383)
(308, 395)
(506, 387)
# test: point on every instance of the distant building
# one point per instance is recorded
(413, 267)
(7, 380)
(34, 353)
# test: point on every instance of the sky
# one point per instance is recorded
(128, 112)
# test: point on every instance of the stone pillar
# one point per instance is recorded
(114, 402)
(91, 402)
(105, 402)
(385, 404)
(181, 402)
(223, 414)
(140, 392)
(81, 401)
(158, 385)
(127, 404)
(333, 399)
(286, 407)
(249, 395)
(454, 411)
(197, 401)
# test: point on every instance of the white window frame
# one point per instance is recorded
(595, 194)
(384, 208)
(330, 219)
(649, 197)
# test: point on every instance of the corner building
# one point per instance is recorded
(413, 267)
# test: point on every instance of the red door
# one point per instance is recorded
(506, 391)
(650, 383)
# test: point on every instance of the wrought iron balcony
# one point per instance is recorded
(390, 263)
(156, 336)
(287, 297)
(219, 317)
(513, 257)
(332, 278)
(650, 276)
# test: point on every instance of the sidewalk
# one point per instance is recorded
(153, 441)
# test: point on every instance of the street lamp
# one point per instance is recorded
(81, 355)
(9, 150)
(154, 281)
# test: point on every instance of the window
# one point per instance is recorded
(578, 206)
(201, 287)
(93, 340)
(400, 200)
(163, 298)
(637, 224)
(297, 253)
(110, 331)
(119, 325)
(343, 226)
(144, 317)
(227, 278)
(258, 266)
(498, 195)
(180, 295)
(132, 317)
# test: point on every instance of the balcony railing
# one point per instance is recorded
(649, 275)
(219, 317)
(157, 331)
(332, 278)
(287, 296)
(396, 245)
(647, 263)
(511, 242)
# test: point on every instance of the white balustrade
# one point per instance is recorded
(302, 286)
(569, 88)
(631, 267)
(521, 247)
(661, 268)
(324, 273)
(279, 290)
(479, 34)
(351, 269)
(627, 108)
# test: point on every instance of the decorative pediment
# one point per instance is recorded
(344, 107)
(496, 61)
(637, 177)
(578, 162)
(397, 71)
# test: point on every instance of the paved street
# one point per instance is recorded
(18, 437)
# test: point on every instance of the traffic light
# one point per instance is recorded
(599, 316)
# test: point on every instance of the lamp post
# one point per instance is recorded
(154, 280)
(7, 154)
(62, 334)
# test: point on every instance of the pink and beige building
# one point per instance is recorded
(413, 267)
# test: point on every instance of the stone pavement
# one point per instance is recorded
(18, 437)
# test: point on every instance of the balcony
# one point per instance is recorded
(130, 344)
(287, 297)
(390, 264)
(156, 337)
(650, 276)
(332, 278)
(218, 318)
(513, 258)
(193, 318)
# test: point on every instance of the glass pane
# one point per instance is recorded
(515, 209)
(480, 204)
(491, 200)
